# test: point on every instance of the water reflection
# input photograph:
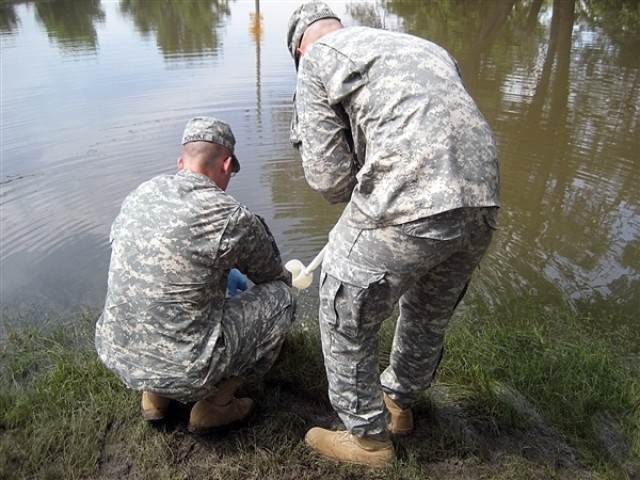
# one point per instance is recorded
(180, 28)
(565, 108)
(255, 29)
(559, 84)
(9, 21)
(70, 23)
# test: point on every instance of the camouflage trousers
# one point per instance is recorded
(425, 266)
(255, 324)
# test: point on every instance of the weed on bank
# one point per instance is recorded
(540, 397)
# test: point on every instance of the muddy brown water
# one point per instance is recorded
(95, 96)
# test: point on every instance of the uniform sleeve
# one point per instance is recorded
(248, 245)
(321, 132)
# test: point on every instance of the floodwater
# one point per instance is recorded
(95, 95)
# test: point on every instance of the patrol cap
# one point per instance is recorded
(209, 129)
(301, 18)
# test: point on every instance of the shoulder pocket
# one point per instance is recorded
(344, 79)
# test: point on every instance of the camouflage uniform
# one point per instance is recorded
(166, 326)
(382, 121)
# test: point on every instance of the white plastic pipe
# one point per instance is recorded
(301, 276)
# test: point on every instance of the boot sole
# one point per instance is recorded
(381, 463)
(153, 416)
(220, 428)
(400, 433)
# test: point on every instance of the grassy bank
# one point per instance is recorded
(539, 398)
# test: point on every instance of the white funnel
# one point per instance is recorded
(301, 276)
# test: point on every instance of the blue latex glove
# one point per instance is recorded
(236, 281)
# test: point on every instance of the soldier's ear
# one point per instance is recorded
(180, 163)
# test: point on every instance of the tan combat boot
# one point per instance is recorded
(221, 409)
(373, 450)
(154, 407)
(401, 423)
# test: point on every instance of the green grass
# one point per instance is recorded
(540, 396)
(55, 400)
(574, 379)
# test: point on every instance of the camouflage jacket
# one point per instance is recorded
(173, 243)
(383, 121)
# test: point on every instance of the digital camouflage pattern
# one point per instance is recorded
(426, 266)
(166, 326)
(383, 121)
